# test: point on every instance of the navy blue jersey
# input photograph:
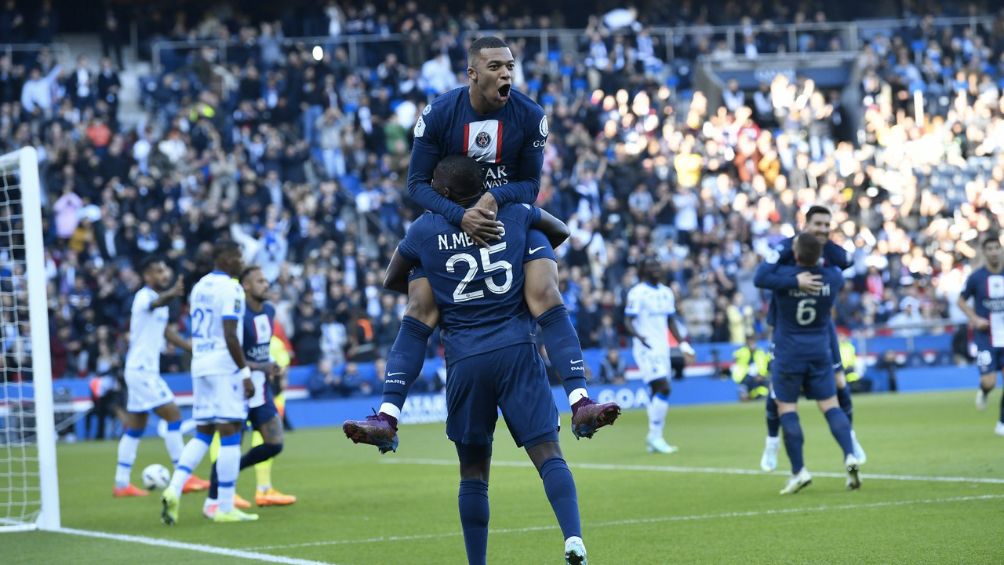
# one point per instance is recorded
(258, 333)
(479, 290)
(508, 143)
(782, 254)
(987, 291)
(803, 325)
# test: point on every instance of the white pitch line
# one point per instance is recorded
(201, 548)
(708, 470)
(656, 519)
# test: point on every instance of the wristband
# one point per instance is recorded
(245, 372)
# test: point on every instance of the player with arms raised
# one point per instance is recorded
(146, 390)
(803, 359)
(985, 286)
(221, 383)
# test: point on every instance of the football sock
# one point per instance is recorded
(190, 458)
(840, 427)
(173, 441)
(404, 363)
(474, 513)
(844, 398)
(563, 348)
(657, 409)
(263, 470)
(1002, 408)
(227, 466)
(793, 440)
(560, 488)
(773, 420)
(128, 445)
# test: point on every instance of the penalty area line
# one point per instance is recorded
(652, 520)
(197, 547)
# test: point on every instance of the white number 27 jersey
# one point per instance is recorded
(650, 306)
(215, 298)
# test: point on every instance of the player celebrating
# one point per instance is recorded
(802, 360)
(221, 383)
(491, 359)
(817, 223)
(986, 316)
(259, 318)
(146, 390)
(649, 313)
(505, 131)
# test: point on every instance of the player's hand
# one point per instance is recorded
(481, 225)
(248, 388)
(488, 202)
(689, 355)
(981, 324)
(808, 282)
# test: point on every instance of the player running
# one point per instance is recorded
(649, 313)
(986, 316)
(817, 223)
(263, 416)
(146, 390)
(802, 360)
(221, 383)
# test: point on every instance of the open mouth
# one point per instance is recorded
(504, 91)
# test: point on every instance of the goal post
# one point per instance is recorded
(29, 486)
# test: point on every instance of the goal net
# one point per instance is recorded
(29, 496)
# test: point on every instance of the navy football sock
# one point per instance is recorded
(214, 483)
(560, 488)
(474, 513)
(563, 347)
(793, 440)
(773, 420)
(840, 427)
(844, 398)
(260, 453)
(1002, 408)
(405, 360)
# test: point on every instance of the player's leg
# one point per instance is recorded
(768, 461)
(821, 387)
(128, 445)
(175, 443)
(986, 363)
(190, 458)
(472, 499)
(261, 455)
(559, 485)
(999, 428)
(231, 414)
(654, 365)
(785, 389)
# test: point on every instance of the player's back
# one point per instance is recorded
(146, 332)
(802, 333)
(479, 290)
(782, 254)
(215, 298)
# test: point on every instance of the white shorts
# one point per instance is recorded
(219, 399)
(146, 390)
(652, 363)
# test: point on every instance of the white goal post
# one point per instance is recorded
(29, 487)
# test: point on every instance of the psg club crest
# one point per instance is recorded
(482, 140)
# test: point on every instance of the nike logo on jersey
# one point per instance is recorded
(535, 249)
(575, 361)
(392, 374)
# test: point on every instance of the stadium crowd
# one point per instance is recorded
(301, 154)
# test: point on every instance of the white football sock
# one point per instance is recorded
(127, 456)
(657, 409)
(191, 456)
(227, 467)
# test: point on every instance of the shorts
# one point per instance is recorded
(512, 378)
(261, 414)
(652, 363)
(816, 380)
(989, 359)
(146, 390)
(538, 247)
(219, 399)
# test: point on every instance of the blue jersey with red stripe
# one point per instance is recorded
(258, 333)
(987, 291)
(508, 143)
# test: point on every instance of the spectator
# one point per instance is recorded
(613, 367)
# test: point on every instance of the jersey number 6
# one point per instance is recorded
(472, 271)
(805, 312)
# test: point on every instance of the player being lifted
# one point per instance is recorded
(146, 390)
(492, 362)
(649, 313)
(263, 416)
(986, 316)
(221, 383)
(817, 223)
(802, 358)
(505, 132)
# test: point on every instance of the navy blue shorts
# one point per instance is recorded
(816, 380)
(989, 359)
(260, 415)
(512, 378)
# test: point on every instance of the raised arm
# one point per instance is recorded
(770, 277)
(555, 230)
(396, 277)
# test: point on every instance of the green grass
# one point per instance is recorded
(350, 495)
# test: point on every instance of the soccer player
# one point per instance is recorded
(263, 416)
(649, 313)
(817, 223)
(221, 383)
(802, 358)
(491, 359)
(505, 131)
(986, 316)
(146, 390)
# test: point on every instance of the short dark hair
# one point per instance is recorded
(462, 175)
(148, 262)
(808, 249)
(817, 209)
(247, 271)
(990, 237)
(486, 42)
(224, 248)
